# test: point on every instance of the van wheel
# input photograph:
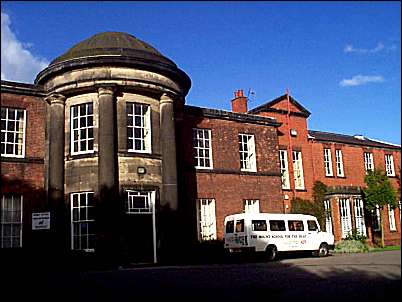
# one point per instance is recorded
(271, 252)
(323, 251)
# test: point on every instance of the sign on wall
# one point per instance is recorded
(41, 221)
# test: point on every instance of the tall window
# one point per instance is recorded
(376, 218)
(202, 148)
(251, 206)
(82, 221)
(247, 152)
(11, 221)
(283, 158)
(206, 219)
(328, 162)
(298, 170)
(82, 129)
(12, 132)
(139, 128)
(368, 161)
(339, 163)
(328, 216)
(346, 222)
(359, 216)
(389, 164)
(391, 219)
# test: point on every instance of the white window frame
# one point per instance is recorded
(206, 219)
(149, 204)
(251, 206)
(399, 206)
(283, 159)
(328, 162)
(368, 161)
(328, 216)
(389, 164)
(247, 152)
(15, 224)
(202, 145)
(339, 163)
(391, 218)
(298, 170)
(79, 129)
(82, 209)
(18, 134)
(345, 217)
(144, 127)
(359, 216)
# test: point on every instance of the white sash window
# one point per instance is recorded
(359, 216)
(206, 219)
(346, 221)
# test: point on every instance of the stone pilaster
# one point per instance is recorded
(168, 148)
(55, 168)
(55, 172)
(107, 139)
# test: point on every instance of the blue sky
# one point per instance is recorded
(341, 60)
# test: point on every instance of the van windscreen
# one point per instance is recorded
(230, 226)
(277, 225)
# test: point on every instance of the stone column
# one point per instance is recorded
(108, 208)
(168, 148)
(107, 139)
(55, 169)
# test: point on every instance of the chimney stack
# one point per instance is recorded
(239, 103)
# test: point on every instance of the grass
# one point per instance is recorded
(386, 248)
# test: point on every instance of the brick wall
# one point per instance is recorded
(225, 182)
(25, 176)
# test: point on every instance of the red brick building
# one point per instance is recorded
(339, 161)
(104, 143)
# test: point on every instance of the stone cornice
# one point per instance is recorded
(22, 88)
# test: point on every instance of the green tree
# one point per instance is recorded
(314, 207)
(379, 192)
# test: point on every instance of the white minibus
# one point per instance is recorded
(273, 233)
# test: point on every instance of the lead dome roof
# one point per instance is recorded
(113, 43)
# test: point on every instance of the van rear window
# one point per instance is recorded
(230, 226)
(277, 225)
(240, 225)
(295, 225)
(259, 225)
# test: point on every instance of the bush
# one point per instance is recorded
(351, 246)
(355, 235)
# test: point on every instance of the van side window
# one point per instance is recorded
(230, 226)
(295, 225)
(240, 225)
(277, 225)
(312, 225)
(259, 225)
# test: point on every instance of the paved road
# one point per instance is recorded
(357, 277)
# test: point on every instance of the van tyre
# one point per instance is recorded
(271, 252)
(323, 251)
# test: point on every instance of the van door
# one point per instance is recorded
(298, 235)
(313, 235)
(240, 233)
(258, 234)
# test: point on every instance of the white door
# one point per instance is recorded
(359, 216)
(346, 220)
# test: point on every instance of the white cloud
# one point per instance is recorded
(17, 62)
(380, 47)
(358, 80)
